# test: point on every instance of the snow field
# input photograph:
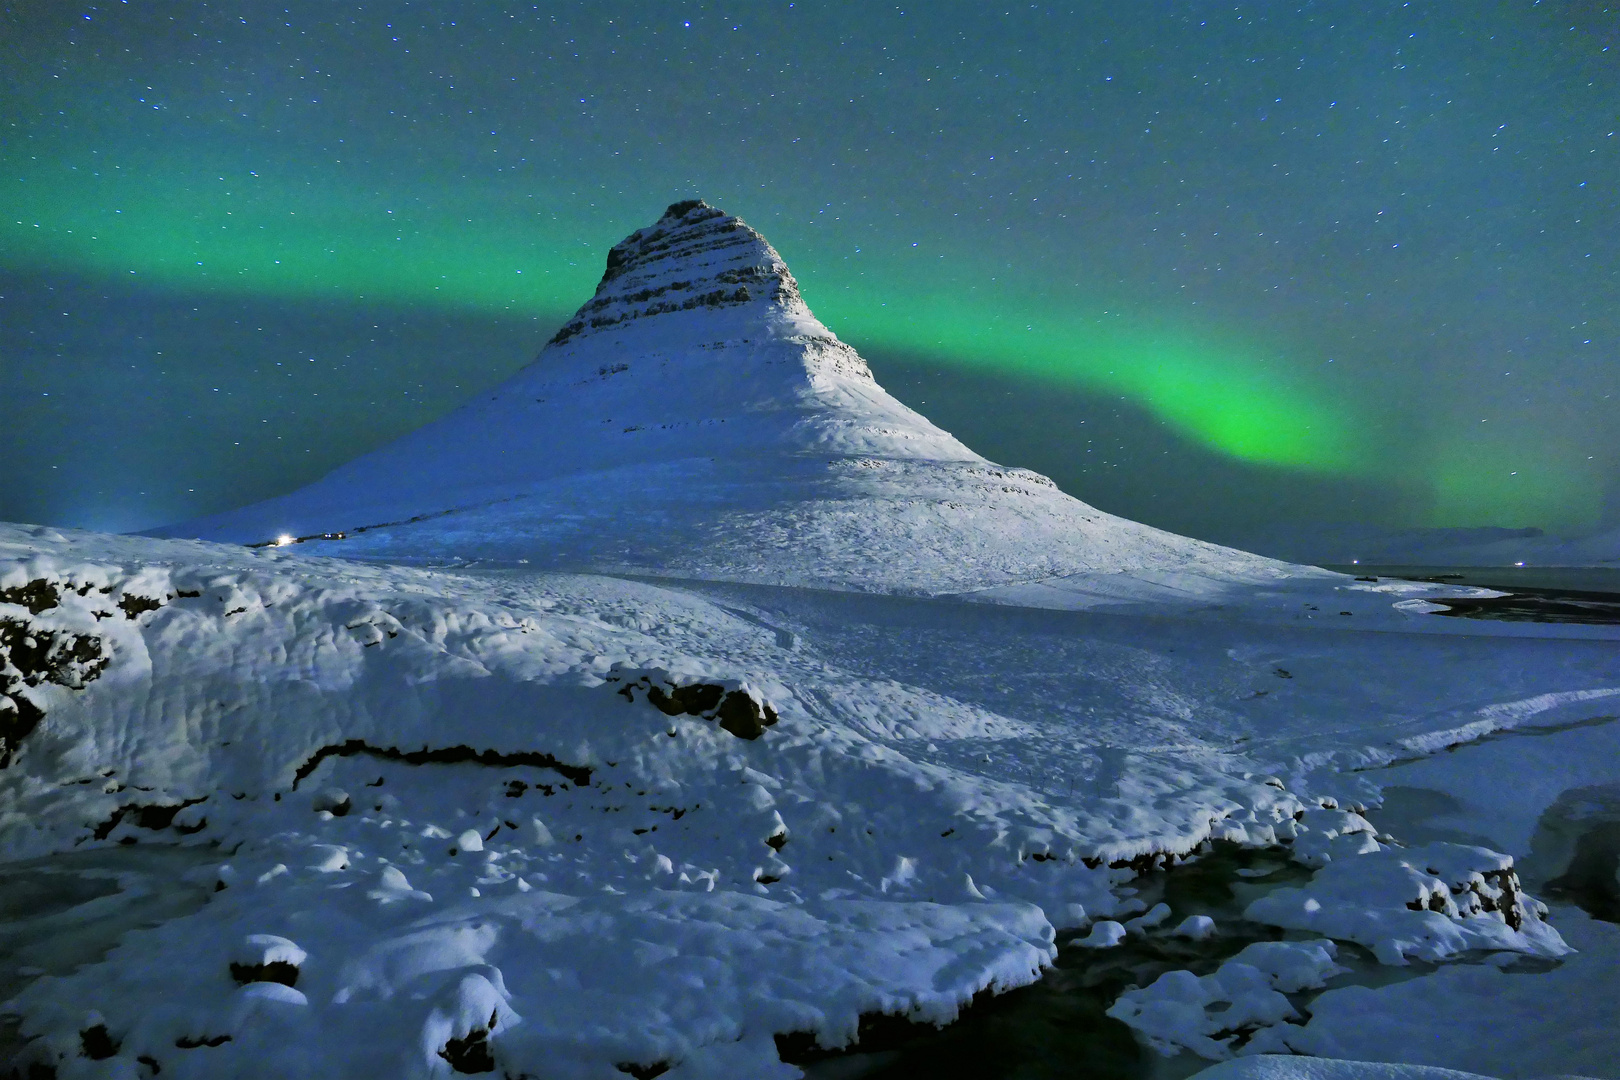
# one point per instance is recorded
(394, 754)
(459, 804)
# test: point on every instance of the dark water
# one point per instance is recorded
(61, 912)
(1544, 594)
(1599, 579)
(1058, 1029)
(1590, 882)
(1575, 852)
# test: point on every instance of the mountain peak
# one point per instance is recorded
(694, 257)
(684, 207)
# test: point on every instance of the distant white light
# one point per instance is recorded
(1518, 564)
(283, 540)
(1355, 562)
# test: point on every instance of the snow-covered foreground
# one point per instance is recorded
(562, 825)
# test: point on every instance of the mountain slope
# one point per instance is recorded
(694, 418)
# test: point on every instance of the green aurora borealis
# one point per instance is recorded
(486, 171)
(201, 231)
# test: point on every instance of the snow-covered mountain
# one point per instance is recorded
(695, 419)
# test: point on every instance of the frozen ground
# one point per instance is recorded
(1342, 544)
(691, 702)
(453, 801)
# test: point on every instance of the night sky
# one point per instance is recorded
(1213, 267)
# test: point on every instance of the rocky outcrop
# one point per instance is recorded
(694, 257)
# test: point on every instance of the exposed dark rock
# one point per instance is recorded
(133, 606)
(31, 654)
(687, 229)
(159, 817)
(153, 816)
(192, 1042)
(96, 1044)
(736, 710)
(684, 207)
(35, 654)
(37, 595)
(336, 803)
(276, 971)
(694, 700)
(743, 717)
(448, 755)
(875, 1033)
(1144, 863)
(643, 1072)
(471, 1053)
(18, 718)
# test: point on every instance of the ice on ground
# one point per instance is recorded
(419, 784)
(1503, 1018)
(1542, 710)
(1212, 1015)
(1342, 544)
(1432, 903)
(1515, 1024)
(1104, 934)
(251, 624)
(396, 756)
(1272, 1067)
(1545, 763)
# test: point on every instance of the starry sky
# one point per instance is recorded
(1215, 267)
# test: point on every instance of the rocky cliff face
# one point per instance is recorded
(694, 257)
